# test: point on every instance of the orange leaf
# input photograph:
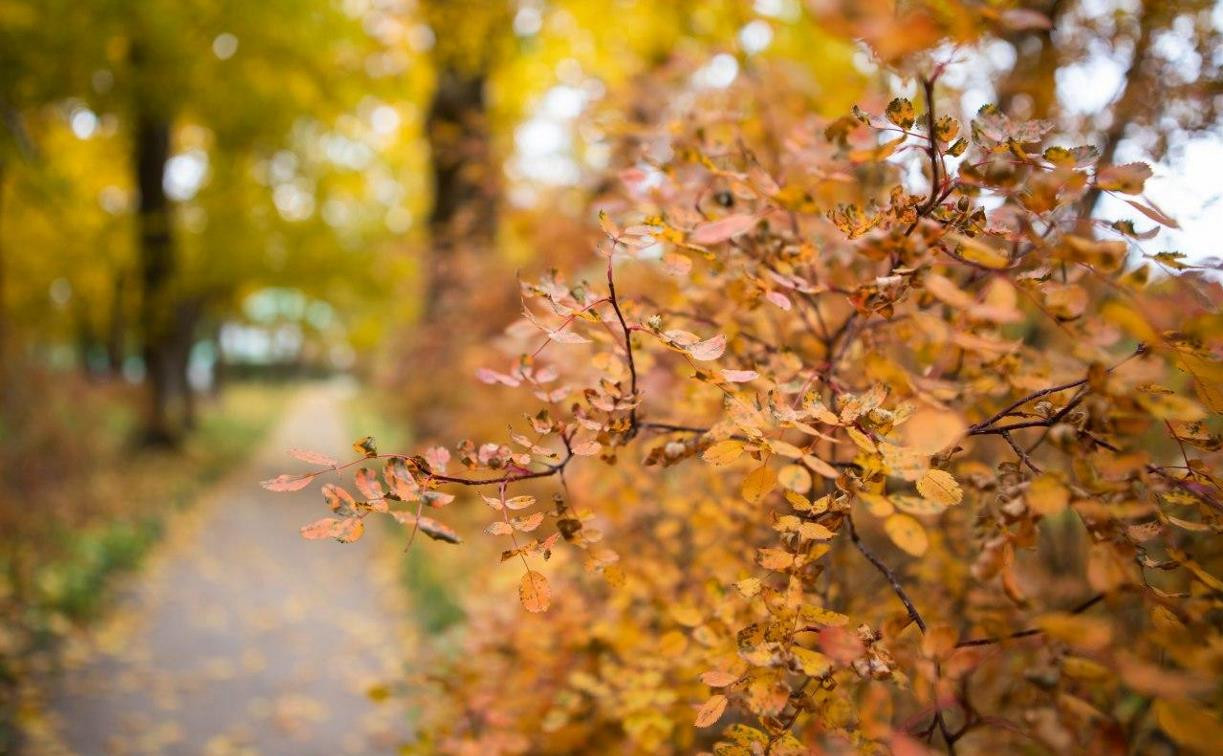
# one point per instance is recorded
(534, 592)
(711, 711)
(759, 484)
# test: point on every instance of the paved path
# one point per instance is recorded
(241, 637)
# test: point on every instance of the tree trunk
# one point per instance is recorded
(186, 318)
(1034, 74)
(463, 217)
(151, 145)
(116, 329)
(4, 324)
(462, 225)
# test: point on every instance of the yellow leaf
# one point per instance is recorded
(775, 559)
(1189, 724)
(711, 711)
(861, 440)
(907, 533)
(930, 430)
(534, 592)
(723, 452)
(1087, 633)
(813, 531)
(1046, 495)
(980, 253)
(795, 478)
(916, 505)
(748, 587)
(815, 615)
(813, 663)
(786, 449)
(758, 484)
(938, 485)
(877, 504)
(820, 466)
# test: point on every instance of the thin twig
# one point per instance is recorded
(1089, 603)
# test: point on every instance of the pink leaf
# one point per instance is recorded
(313, 457)
(282, 483)
(739, 376)
(721, 230)
(709, 349)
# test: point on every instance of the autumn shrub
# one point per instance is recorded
(826, 456)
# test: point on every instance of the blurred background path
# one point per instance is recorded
(241, 636)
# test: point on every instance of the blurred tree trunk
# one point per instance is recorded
(117, 326)
(151, 145)
(4, 325)
(463, 218)
(462, 228)
(186, 320)
(1034, 75)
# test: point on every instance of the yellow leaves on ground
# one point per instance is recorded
(939, 486)
(711, 711)
(534, 592)
(759, 484)
(907, 533)
(723, 452)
